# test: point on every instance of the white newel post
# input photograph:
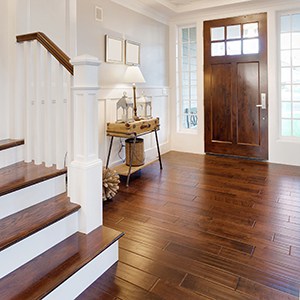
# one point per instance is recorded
(85, 171)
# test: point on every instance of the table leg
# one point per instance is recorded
(109, 151)
(158, 151)
(131, 159)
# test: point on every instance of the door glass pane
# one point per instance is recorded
(193, 49)
(296, 75)
(234, 32)
(218, 49)
(234, 48)
(296, 92)
(296, 40)
(285, 41)
(193, 64)
(296, 125)
(217, 33)
(296, 22)
(285, 75)
(185, 34)
(286, 93)
(285, 23)
(286, 109)
(285, 58)
(296, 110)
(250, 46)
(193, 92)
(296, 57)
(193, 34)
(193, 78)
(286, 127)
(250, 30)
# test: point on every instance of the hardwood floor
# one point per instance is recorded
(205, 227)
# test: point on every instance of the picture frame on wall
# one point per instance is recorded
(132, 53)
(114, 49)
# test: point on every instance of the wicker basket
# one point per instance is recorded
(138, 158)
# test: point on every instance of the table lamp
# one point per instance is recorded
(134, 75)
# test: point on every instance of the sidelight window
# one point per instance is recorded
(186, 58)
(290, 74)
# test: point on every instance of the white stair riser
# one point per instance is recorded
(11, 156)
(84, 277)
(20, 253)
(24, 198)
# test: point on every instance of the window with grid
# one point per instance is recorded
(290, 74)
(187, 77)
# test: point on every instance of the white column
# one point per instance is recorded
(85, 171)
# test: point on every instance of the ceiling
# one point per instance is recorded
(164, 10)
(180, 6)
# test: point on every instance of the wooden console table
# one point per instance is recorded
(132, 130)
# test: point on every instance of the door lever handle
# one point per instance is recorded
(263, 99)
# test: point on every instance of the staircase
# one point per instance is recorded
(42, 253)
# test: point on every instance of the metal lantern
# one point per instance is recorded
(124, 109)
(144, 107)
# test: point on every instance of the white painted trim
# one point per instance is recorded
(31, 195)
(11, 156)
(20, 253)
(83, 278)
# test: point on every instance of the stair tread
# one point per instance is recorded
(44, 273)
(9, 143)
(21, 174)
(30, 220)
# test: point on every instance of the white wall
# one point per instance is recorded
(280, 151)
(4, 69)
(121, 22)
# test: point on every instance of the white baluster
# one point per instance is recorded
(28, 100)
(59, 119)
(48, 138)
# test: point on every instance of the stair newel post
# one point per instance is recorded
(85, 171)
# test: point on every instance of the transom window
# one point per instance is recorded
(235, 39)
(290, 74)
(186, 58)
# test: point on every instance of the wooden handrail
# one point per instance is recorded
(63, 58)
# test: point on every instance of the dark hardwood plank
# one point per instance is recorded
(10, 143)
(20, 175)
(28, 221)
(209, 227)
(41, 275)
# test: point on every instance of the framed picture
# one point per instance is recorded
(132, 53)
(113, 49)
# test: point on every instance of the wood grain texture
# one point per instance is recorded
(28, 221)
(206, 227)
(10, 143)
(21, 175)
(41, 275)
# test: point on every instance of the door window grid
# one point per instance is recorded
(186, 60)
(235, 39)
(290, 75)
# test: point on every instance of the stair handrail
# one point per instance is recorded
(60, 55)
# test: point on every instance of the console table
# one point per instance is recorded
(132, 130)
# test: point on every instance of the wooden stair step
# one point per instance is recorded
(10, 143)
(21, 175)
(43, 274)
(30, 220)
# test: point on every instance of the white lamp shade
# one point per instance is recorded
(133, 74)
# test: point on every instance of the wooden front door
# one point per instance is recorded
(235, 86)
